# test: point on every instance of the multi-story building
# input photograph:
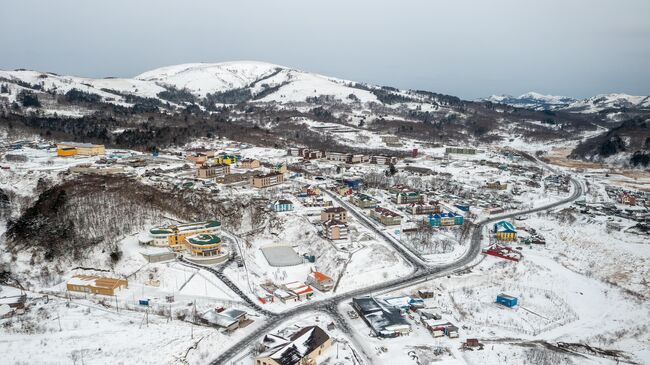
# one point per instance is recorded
(460, 150)
(363, 200)
(385, 216)
(358, 159)
(420, 208)
(312, 154)
(270, 179)
(390, 139)
(408, 197)
(176, 236)
(335, 229)
(205, 245)
(445, 219)
(249, 163)
(211, 171)
(293, 151)
(383, 160)
(320, 281)
(334, 213)
(338, 156)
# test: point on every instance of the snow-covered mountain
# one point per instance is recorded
(287, 85)
(537, 101)
(262, 82)
(533, 100)
(610, 101)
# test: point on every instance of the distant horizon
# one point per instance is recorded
(471, 49)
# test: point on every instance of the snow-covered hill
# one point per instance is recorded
(537, 101)
(610, 101)
(266, 82)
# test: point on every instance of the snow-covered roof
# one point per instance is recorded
(303, 342)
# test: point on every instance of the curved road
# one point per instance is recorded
(422, 274)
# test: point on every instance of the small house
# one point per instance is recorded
(285, 296)
(282, 205)
(320, 281)
(300, 290)
(627, 199)
(505, 231)
(425, 294)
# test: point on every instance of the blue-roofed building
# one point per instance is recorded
(445, 219)
(505, 231)
(353, 184)
(463, 207)
(506, 300)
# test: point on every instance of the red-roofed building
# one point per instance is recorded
(320, 281)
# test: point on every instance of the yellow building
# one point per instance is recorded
(84, 149)
(66, 151)
(225, 159)
(505, 231)
(199, 238)
(95, 284)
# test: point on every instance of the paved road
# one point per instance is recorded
(421, 275)
(412, 257)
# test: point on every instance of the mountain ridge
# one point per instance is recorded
(593, 104)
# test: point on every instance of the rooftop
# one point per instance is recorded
(204, 239)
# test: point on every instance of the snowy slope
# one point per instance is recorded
(203, 78)
(610, 101)
(63, 84)
(267, 82)
(292, 85)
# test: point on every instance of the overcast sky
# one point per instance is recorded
(469, 48)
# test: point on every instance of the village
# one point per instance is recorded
(349, 222)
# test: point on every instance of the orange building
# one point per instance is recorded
(66, 151)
